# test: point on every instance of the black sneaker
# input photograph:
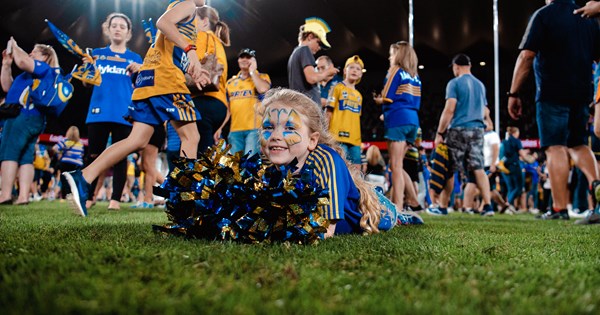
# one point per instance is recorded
(553, 215)
(593, 217)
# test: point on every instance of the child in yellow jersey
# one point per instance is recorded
(160, 95)
(343, 110)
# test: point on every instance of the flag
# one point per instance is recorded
(149, 30)
(440, 164)
(87, 72)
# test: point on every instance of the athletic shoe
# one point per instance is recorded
(416, 208)
(553, 215)
(575, 213)
(593, 217)
(436, 210)
(471, 211)
(142, 205)
(487, 211)
(596, 190)
(79, 190)
(409, 218)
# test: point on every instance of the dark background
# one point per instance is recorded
(442, 28)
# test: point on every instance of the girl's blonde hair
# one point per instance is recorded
(110, 17)
(220, 28)
(73, 134)
(512, 130)
(374, 156)
(49, 52)
(369, 204)
(405, 57)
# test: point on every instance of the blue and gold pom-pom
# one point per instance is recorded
(238, 197)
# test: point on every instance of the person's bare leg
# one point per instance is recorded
(149, 155)
(9, 174)
(558, 169)
(188, 133)
(137, 139)
(26, 172)
(397, 150)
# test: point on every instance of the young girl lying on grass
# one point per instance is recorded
(294, 128)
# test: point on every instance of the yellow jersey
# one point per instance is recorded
(346, 106)
(209, 43)
(243, 100)
(165, 64)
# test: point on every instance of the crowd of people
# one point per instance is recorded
(180, 100)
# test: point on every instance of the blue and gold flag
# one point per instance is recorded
(440, 164)
(87, 72)
(149, 30)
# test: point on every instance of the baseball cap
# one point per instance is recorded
(355, 59)
(461, 60)
(247, 52)
(318, 27)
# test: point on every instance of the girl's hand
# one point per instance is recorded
(133, 67)
(199, 75)
(377, 98)
(217, 135)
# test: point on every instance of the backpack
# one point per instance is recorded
(52, 97)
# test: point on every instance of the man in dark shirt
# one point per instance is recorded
(561, 46)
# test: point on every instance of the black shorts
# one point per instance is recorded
(158, 137)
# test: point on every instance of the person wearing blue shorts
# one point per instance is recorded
(401, 99)
(560, 47)
(160, 95)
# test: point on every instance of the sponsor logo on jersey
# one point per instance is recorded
(112, 70)
(145, 78)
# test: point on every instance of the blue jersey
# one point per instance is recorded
(332, 173)
(402, 99)
(110, 100)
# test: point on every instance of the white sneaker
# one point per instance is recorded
(534, 211)
(577, 214)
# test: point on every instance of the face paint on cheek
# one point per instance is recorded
(295, 123)
(292, 137)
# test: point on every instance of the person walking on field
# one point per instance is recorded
(561, 47)
(461, 127)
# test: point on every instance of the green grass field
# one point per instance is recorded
(53, 262)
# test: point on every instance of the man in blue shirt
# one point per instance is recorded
(461, 126)
(561, 47)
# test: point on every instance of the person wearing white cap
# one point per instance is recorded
(302, 75)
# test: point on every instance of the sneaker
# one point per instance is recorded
(534, 211)
(487, 211)
(436, 210)
(553, 215)
(471, 211)
(596, 190)
(416, 208)
(79, 190)
(142, 205)
(575, 213)
(510, 210)
(593, 217)
(409, 218)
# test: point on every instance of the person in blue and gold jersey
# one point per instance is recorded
(111, 99)
(245, 91)
(343, 110)
(160, 94)
(213, 34)
(401, 99)
(40, 69)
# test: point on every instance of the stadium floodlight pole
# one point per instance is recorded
(411, 27)
(496, 70)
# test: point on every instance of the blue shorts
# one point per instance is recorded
(560, 124)
(406, 133)
(19, 137)
(352, 152)
(158, 109)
